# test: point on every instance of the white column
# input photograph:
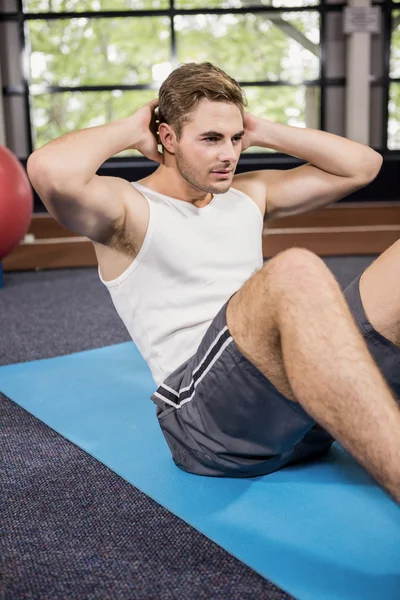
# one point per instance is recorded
(358, 82)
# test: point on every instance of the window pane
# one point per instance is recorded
(283, 46)
(394, 117)
(34, 6)
(56, 114)
(181, 4)
(298, 106)
(99, 51)
(395, 46)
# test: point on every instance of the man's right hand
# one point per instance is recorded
(144, 122)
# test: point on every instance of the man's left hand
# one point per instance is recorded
(250, 124)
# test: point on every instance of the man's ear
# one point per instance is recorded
(167, 137)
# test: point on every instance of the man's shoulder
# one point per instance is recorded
(253, 187)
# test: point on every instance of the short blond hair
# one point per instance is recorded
(181, 92)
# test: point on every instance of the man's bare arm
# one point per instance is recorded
(335, 167)
(63, 172)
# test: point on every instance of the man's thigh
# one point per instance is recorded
(255, 311)
(251, 318)
(380, 293)
(385, 353)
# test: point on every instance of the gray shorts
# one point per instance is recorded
(222, 417)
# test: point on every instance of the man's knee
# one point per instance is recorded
(297, 263)
(298, 271)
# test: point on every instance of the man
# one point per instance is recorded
(257, 366)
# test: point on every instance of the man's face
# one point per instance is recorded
(210, 142)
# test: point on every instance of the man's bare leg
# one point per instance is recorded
(332, 374)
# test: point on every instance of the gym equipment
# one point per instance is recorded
(16, 202)
(323, 529)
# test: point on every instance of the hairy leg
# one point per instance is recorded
(380, 293)
(325, 360)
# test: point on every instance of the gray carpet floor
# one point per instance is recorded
(73, 528)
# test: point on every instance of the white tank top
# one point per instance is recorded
(191, 262)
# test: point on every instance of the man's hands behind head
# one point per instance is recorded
(145, 124)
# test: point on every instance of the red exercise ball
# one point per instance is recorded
(16, 202)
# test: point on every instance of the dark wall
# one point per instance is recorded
(386, 187)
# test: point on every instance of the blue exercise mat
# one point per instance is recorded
(321, 531)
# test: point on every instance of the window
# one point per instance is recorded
(394, 85)
(94, 61)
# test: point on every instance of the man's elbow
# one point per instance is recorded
(43, 177)
(31, 165)
(372, 167)
(37, 174)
